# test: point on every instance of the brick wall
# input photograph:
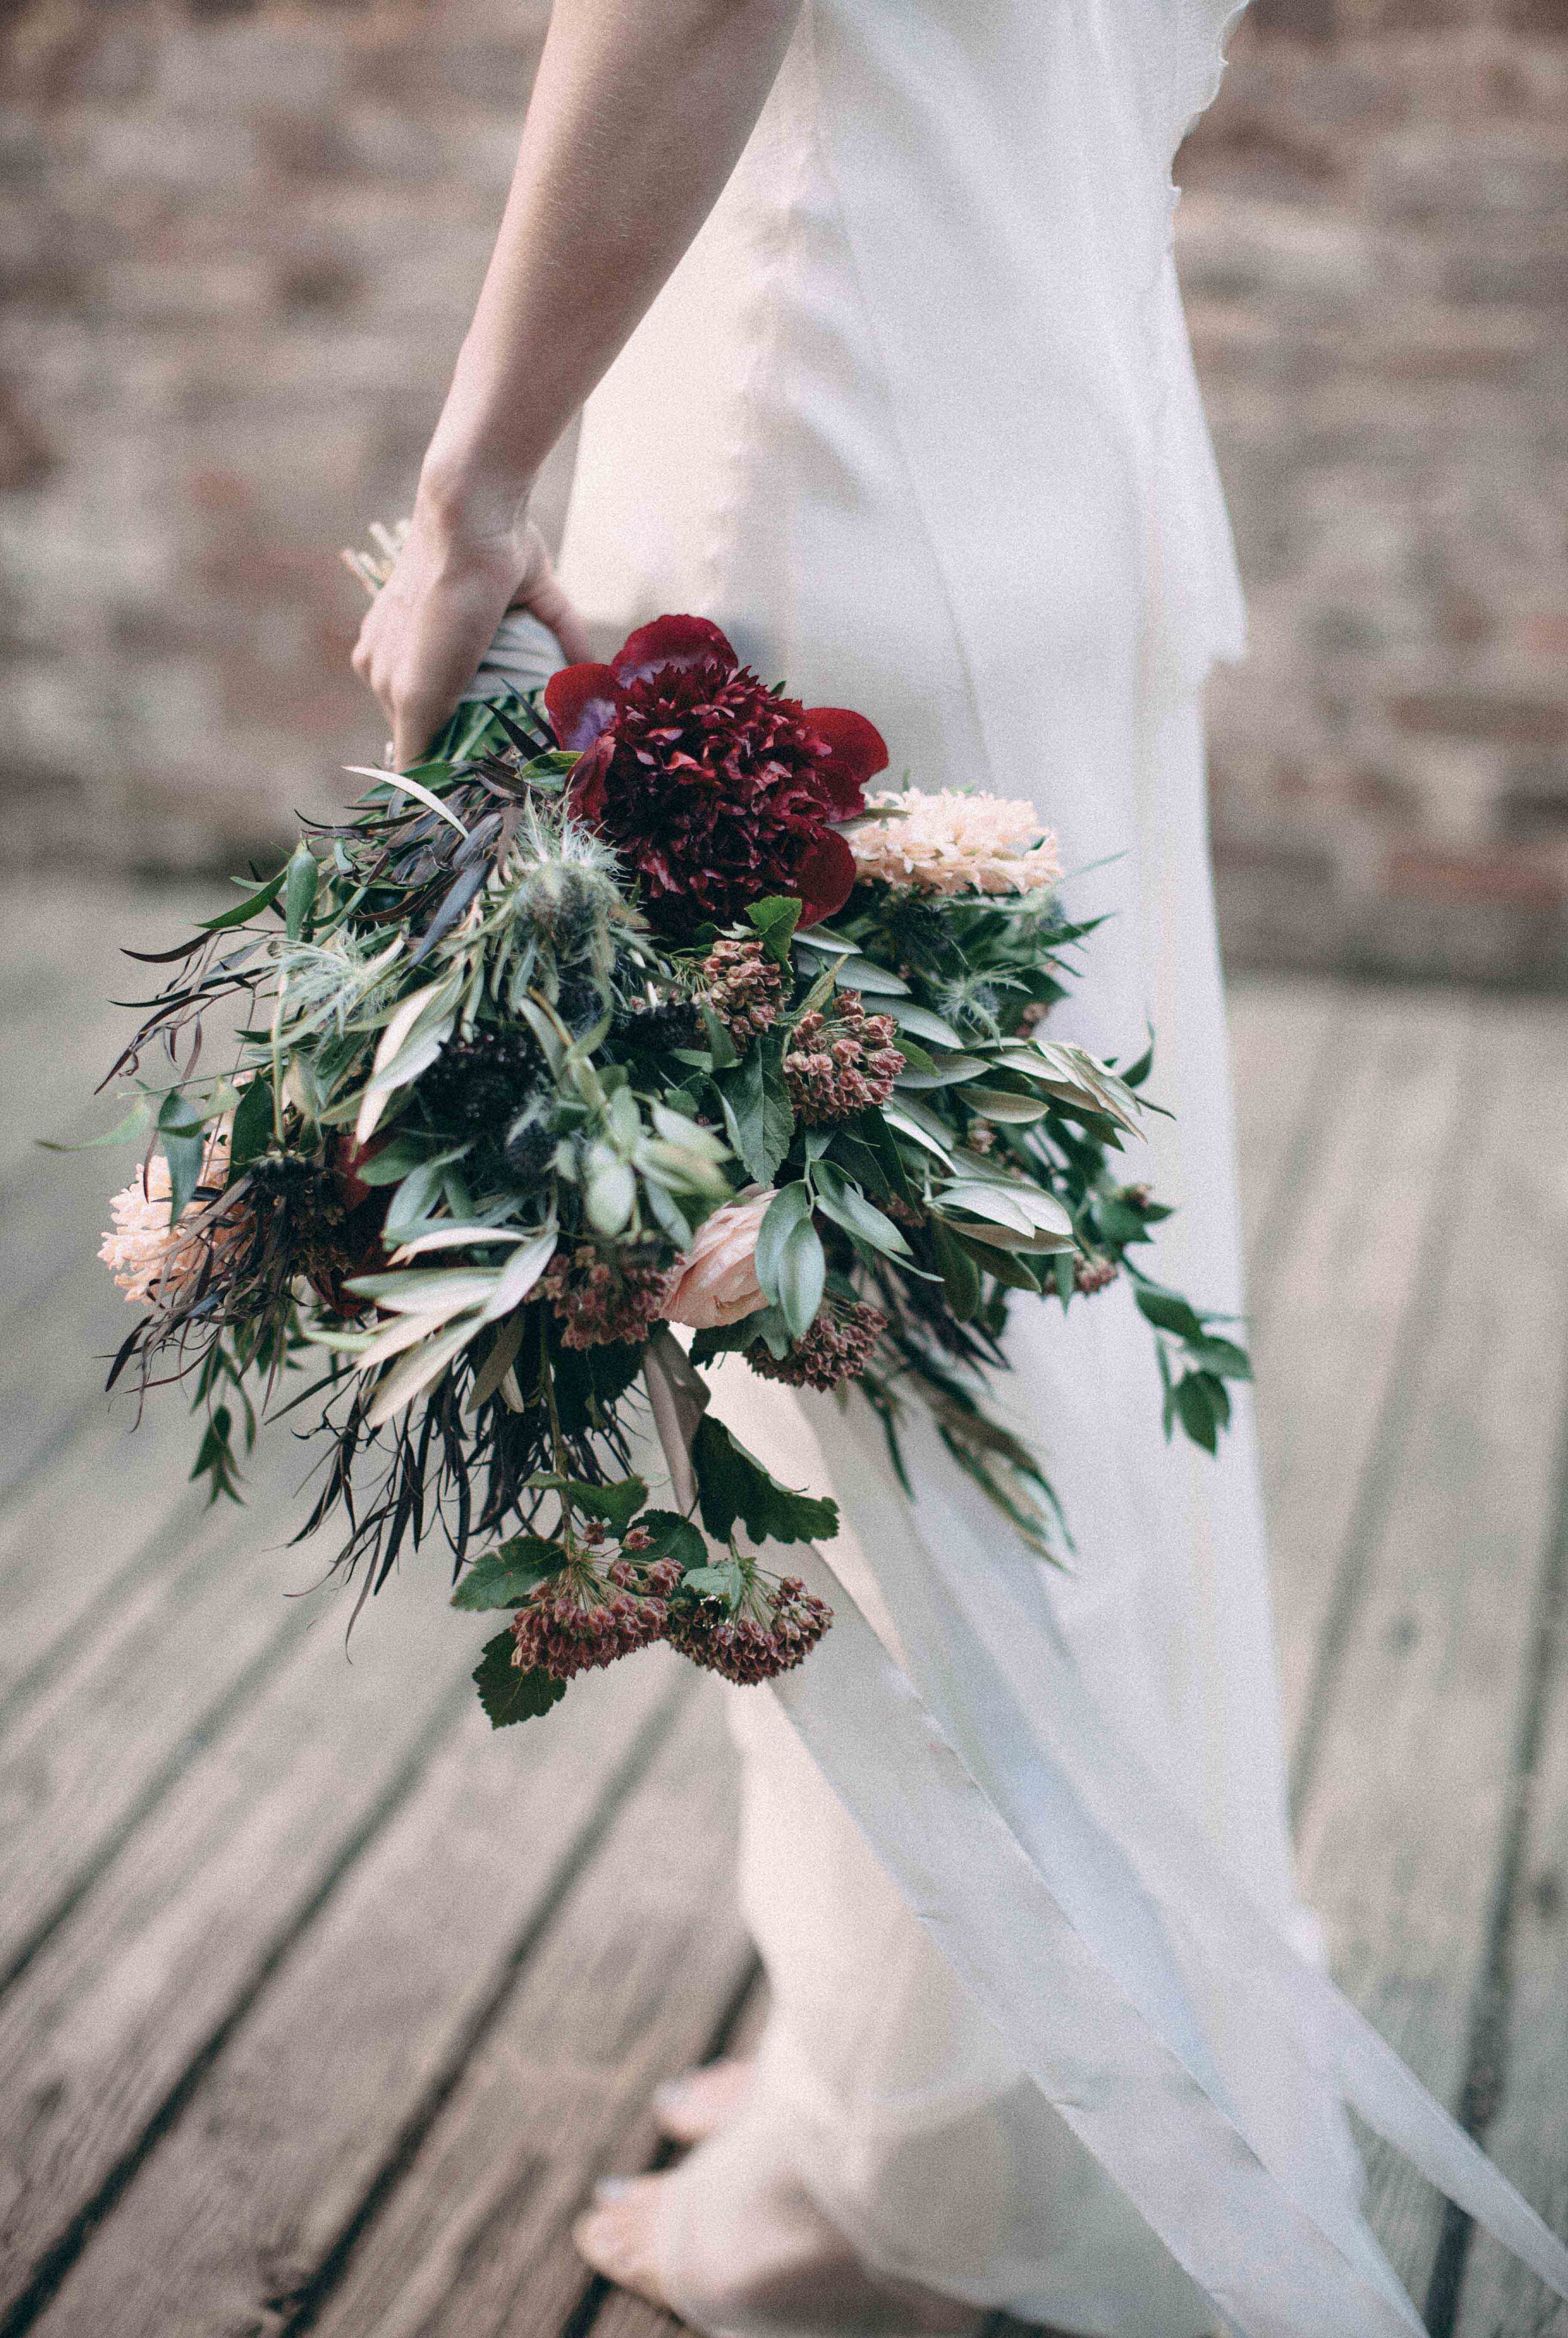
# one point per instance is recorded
(242, 238)
(1375, 242)
(243, 241)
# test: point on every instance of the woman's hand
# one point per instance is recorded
(435, 617)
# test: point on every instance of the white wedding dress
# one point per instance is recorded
(915, 422)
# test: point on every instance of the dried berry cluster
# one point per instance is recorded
(1092, 1274)
(587, 1616)
(598, 1298)
(482, 1082)
(837, 1348)
(744, 987)
(776, 1629)
(836, 1069)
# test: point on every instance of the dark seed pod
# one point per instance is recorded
(529, 1148)
(481, 1083)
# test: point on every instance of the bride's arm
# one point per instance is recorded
(639, 111)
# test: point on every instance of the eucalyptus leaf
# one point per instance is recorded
(801, 1276)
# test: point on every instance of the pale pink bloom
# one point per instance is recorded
(950, 842)
(147, 1259)
(717, 1283)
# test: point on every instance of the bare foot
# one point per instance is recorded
(699, 2102)
(617, 2235)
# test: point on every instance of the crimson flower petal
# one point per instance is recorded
(859, 752)
(670, 642)
(586, 795)
(824, 878)
(581, 701)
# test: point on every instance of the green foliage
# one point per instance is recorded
(673, 1536)
(504, 1577)
(732, 1485)
(506, 1692)
(776, 919)
(617, 1504)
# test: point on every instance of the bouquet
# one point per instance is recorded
(634, 1006)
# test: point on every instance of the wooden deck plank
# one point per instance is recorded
(1520, 2075)
(1279, 1034)
(367, 2026)
(183, 1651)
(641, 1968)
(1406, 1800)
(127, 1996)
(1327, 1343)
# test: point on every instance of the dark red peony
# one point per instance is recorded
(713, 789)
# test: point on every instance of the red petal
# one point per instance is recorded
(859, 752)
(824, 878)
(581, 701)
(670, 642)
(586, 791)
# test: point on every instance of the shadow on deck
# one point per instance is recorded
(320, 2008)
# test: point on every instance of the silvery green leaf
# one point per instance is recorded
(623, 1118)
(995, 1202)
(1002, 1105)
(609, 1195)
(911, 1119)
(447, 1236)
(946, 1071)
(520, 1274)
(863, 974)
(1009, 1238)
(801, 1276)
(789, 1207)
(415, 1370)
(920, 1021)
(431, 1291)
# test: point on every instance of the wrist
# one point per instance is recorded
(469, 504)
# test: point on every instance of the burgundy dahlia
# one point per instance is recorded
(715, 789)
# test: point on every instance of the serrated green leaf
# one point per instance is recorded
(775, 918)
(504, 1577)
(509, 1694)
(733, 1485)
(674, 1537)
(757, 1112)
(616, 1504)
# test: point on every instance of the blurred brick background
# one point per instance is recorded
(240, 239)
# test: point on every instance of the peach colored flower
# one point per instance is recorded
(148, 1260)
(953, 842)
(717, 1283)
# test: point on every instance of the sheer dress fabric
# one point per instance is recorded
(915, 422)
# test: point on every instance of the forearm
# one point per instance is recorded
(639, 111)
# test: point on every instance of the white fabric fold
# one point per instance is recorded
(1127, 1892)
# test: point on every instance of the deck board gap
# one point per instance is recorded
(1376, 1493)
(1486, 2046)
(304, 2307)
(202, 1733)
(56, 2261)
